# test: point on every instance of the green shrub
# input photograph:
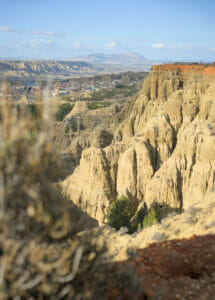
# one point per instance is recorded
(120, 213)
(139, 226)
(150, 219)
(63, 110)
(32, 109)
(96, 105)
(142, 212)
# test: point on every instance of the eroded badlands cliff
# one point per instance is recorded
(10, 68)
(163, 147)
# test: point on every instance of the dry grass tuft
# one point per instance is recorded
(28, 168)
(40, 255)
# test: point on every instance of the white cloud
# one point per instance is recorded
(47, 33)
(158, 46)
(37, 32)
(110, 45)
(7, 29)
(76, 44)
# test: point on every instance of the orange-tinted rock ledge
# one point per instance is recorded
(194, 69)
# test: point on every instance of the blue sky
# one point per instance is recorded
(60, 29)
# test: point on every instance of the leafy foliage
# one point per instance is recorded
(120, 213)
(150, 219)
(63, 110)
(119, 91)
(96, 105)
(139, 217)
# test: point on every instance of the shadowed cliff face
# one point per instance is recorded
(163, 148)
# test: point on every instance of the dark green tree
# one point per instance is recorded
(120, 213)
(63, 110)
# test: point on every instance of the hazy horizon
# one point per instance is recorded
(159, 30)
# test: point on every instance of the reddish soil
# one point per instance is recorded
(195, 69)
(177, 269)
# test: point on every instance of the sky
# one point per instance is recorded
(62, 29)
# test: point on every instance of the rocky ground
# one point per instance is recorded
(177, 269)
(198, 219)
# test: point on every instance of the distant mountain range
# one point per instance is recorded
(31, 68)
(40, 66)
(113, 59)
(78, 66)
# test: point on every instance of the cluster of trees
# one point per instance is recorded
(117, 92)
(124, 78)
(98, 104)
(122, 213)
(63, 110)
(120, 90)
(34, 109)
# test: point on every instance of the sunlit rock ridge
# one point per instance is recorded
(163, 147)
(32, 68)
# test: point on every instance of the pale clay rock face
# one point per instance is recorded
(198, 219)
(163, 150)
(80, 106)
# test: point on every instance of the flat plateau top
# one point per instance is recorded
(186, 68)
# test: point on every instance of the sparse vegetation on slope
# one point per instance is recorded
(96, 105)
(63, 110)
(120, 213)
(150, 219)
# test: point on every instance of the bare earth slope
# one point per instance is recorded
(170, 270)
